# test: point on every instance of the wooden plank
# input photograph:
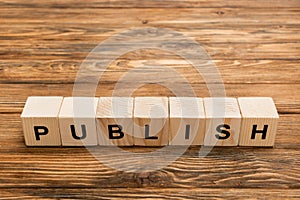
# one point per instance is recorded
(232, 51)
(232, 71)
(149, 4)
(92, 22)
(264, 35)
(11, 14)
(240, 14)
(229, 168)
(90, 34)
(12, 99)
(154, 193)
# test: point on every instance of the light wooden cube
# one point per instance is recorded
(151, 121)
(223, 121)
(77, 121)
(187, 121)
(259, 123)
(115, 121)
(40, 121)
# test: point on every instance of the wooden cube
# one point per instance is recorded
(40, 121)
(259, 123)
(187, 121)
(151, 121)
(115, 121)
(77, 121)
(223, 121)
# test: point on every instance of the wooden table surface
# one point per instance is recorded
(255, 45)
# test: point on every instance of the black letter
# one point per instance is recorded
(264, 132)
(74, 132)
(111, 131)
(147, 132)
(187, 131)
(38, 133)
(220, 130)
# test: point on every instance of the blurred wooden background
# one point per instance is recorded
(255, 44)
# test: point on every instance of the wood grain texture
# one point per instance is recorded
(61, 34)
(151, 121)
(79, 112)
(233, 71)
(40, 121)
(222, 120)
(119, 113)
(187, 121)
(255, 45)
(259, 121)
(76, 167)
(152, 193)
(284, 95)
(149, 3)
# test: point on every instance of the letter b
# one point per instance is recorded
(113, 129)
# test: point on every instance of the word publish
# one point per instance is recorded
(149, 121)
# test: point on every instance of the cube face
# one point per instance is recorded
(223, 121)
(186, 131)
(258, 132)
(187, 121)
(41, 131)
(151, 120)
(78, 132)
(259, 123)
(40, 121)
(117, 132)
(77, 121)
(115, 121)
(222, 131)
(151, 132)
